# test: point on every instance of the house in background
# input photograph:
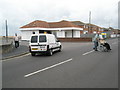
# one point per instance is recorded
(115, 33)
(82, 25)
(66, 30)
(92, 28)
(88, 28)
(62, 29)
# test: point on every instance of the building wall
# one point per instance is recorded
(63, 34)
(27, 33)
(59, 33)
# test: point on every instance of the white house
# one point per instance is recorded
(62, 29)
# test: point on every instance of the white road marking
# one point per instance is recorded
(88, 52)
(47, 68)
(15, 57)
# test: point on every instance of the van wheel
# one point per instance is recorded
(50, 52)
(59, 49)
(33, 54)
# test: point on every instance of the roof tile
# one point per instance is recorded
(43, 24)
(37, 23)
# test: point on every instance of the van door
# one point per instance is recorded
(51, 41)
(42, 43)
(56, 44)
(34, 43)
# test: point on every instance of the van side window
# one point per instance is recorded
(34, 39)
(42, 38)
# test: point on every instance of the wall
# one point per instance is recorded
(26, 34)
(6, 48)
(61, 34)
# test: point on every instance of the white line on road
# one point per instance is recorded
(88, 52)
(48, 68)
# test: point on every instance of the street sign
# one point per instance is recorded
(103, 33)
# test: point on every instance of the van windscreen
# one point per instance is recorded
(34, 39)
(42, 38)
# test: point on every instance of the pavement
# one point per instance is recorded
(21, 50)
(77, 66)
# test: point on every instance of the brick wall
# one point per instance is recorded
(75, 39)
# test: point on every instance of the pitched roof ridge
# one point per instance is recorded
(93, 25)
(44, 24)
(76, 21)
(39, 21)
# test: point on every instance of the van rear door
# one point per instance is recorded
(42, 42)
(34, 43)
(34, 39)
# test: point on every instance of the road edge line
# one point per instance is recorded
(14, 56)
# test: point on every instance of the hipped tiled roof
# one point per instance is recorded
(43, 24)
(36, 24)
(78, 22)
(62, 24)
(92, 25)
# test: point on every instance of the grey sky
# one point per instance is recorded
(21, 12)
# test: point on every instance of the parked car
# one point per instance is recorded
(44, 43)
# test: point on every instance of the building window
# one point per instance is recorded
(49, 32)
(85, 32)
(41, 31)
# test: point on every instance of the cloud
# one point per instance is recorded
(21, 12)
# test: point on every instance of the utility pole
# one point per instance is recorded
(6, 30)
(119, 15)
(89, 30)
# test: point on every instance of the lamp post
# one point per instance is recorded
(6, 30)
(89, 30)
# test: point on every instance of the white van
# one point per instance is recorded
(44, 43)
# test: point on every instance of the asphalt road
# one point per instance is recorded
(77, 66)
